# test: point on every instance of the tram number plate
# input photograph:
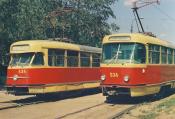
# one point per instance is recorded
(114, 75)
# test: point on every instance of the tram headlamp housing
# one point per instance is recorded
(126, 78)
(15, 77)
(103, 77)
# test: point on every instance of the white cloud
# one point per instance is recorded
(129, 2)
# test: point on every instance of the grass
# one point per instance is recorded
(148, 116)
(167, 104)
(164, 107)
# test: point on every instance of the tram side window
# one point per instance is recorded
(38, 59)
(72, 58)
(85, 59)
(164, 55)
(56, 57)
(170, 56)
(154, 54)
(174, 56)
(95, 60)
(139, 54)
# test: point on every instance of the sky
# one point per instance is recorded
(158, 19)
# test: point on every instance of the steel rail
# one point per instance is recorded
(15, 105)
(81, 110)
(118, 115)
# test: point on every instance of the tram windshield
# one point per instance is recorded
(25, 59)
(124, 53)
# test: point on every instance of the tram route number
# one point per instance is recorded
(21, 71)
(114, 75)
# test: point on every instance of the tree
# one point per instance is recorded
(87, 23)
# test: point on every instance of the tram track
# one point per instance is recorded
(11, 105)
(36, 100)
(116, 116)
(79, 111)
(118, 111)
(110, 110)
(124, 111)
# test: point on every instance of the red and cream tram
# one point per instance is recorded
(136, 65)
(45, 66)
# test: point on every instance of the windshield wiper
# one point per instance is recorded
(132, 54)
(115, 58)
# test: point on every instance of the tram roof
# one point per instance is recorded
(136, 37)
(39, 44)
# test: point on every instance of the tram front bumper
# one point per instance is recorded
(131, 91)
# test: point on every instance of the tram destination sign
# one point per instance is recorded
(20, 48)
(122, 38)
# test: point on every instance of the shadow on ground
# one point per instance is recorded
(56, 96)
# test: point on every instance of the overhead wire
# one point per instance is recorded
(164, 13)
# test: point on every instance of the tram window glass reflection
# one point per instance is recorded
(56, 57)
(95, 60)
(38, 59)
(21, 59)
(124, 53)
(72, 58)
(154, 54)
(164, 55)
(140, 54)
(85, 59)
(170, 56)
(174, 56)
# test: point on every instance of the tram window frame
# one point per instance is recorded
(154, 54)
(85, 59)
(72, 58)
(56, 57)
(164, 55)
(96, 60)
(170, 55)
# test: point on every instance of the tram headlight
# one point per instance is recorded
(103, 77)
(15, 77)
(126, 78)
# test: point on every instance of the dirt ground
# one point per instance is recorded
(55, 108)
(49, 110)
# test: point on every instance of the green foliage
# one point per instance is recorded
(166, 105)
(148, 116)
(2, 81)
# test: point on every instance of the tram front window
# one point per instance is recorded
(21, 59)
(124, 53)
